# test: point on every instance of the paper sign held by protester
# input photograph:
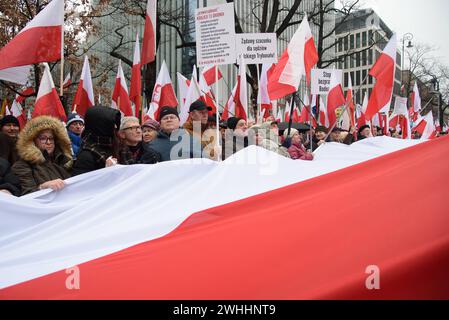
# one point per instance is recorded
(215, 35)
(321, 79)
(256, 48)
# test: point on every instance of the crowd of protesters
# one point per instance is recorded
(47, 151)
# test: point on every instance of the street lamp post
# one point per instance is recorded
(407, 37)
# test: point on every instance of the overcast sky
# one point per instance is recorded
(427, 20)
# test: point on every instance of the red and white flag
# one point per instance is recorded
(279, 115)
(210, 74)
(24, 94)
(324, 118)
(163, 93)
(206, 94)
(306, 112)
(350, 103)
(263, 98)
(335, 98)
(67, 81)
(240, 106)
(84, 97)
(183, 88)
(47, 101)
(383, 70)
(287, 112)
(17, 111)
(296, 61)
(135, 89)
(415, 107)
(399, 118)
(360, 112)
(40, 41)
(425, 127)
(229, 109)
(120, 97)
(149, 35)
(193, 94)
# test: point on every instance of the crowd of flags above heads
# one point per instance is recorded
(42, 40)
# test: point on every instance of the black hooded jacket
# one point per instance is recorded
(98, 139)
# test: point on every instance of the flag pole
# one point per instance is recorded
(217, 122)
(259, 107)
(61, 87)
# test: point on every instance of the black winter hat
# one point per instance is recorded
(199, 105)
(166, 111)
(232, 122)
(363, 128)
(9, 119)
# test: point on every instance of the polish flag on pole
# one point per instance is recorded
(24, 94)
(296, 61)
(17, 111)
(149, 35)
(360, 112)
(240, 105)
(84, 97)
(183, 88)
(399, 117)
(229, 109)
(120, 97)
(67, 81)
(287, 112)
(47, 101)
(135, 89)
(350, 102)
(335, 98)
(206, 94)
(425, 127)
(210, 74)
(324, 118)
(40, 41)
(279, 115)
(295, 116)
(415, 102)
(263, 98)
(193, 94)
(383, 70)
(163, 93)
(306, 112)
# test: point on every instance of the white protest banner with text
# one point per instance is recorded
(256, 48)
(215, 35)
(321, 80)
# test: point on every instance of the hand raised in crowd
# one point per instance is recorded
(57, 184)
(321, 142)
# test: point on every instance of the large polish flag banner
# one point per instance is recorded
(149, 35)
(40, 41)
(383, 70)
(296, 62)
(171, 246)
(47, 100)
(84, 97)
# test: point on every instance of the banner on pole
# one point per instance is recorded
(321, 80)
(215, 35)
(256, 48)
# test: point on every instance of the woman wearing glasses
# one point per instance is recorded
(45, 155)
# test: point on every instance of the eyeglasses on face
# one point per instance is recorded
(45, 139)
(134, 128)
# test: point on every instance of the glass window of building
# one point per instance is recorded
(370, 37)
(357, 40)
(364, 73)
(364, 42)
(363, 58)
(357, 78)
(351, 42)
(346, 79)
(346, 43)
(357, 59)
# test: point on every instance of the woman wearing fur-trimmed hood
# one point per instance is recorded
(45, 155)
